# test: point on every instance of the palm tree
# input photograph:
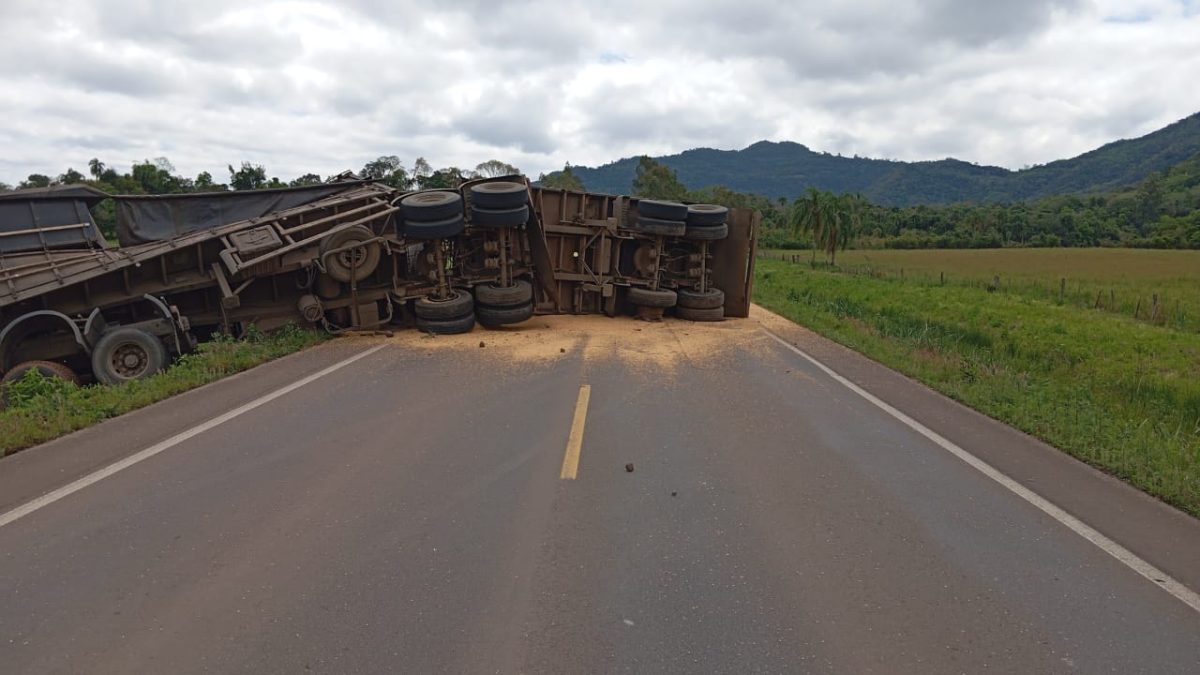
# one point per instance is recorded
(811, 214)
(96, 167)
(844, 224)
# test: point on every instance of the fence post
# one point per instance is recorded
(1062, 290)
(942, 278)
(1098, 294)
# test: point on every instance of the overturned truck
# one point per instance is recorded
(346, 256)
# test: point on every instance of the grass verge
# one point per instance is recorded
(1120, 394)
(42, 409)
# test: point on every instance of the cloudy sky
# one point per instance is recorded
(322, 86)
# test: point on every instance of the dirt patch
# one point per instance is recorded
(658, 346)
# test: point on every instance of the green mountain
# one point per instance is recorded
(786, 169)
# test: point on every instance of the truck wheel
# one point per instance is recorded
(341, 265)
(653, 208)
(503, 195)
(437, 229)
(693, 314)
(462, 324)
(706, 232)
(459, 304)
(492, 295)
(46, 368)
(706, 214)
(434, 205)
(709, 299)
(645, 297)
(499, 217)
(667, 228)
(503, 316)
(125, 354)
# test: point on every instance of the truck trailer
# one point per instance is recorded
(351, 255)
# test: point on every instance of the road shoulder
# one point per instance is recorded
(1153, 530)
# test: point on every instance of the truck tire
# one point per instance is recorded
(706, 214)
(46, 368)
(432, 205)
(437, 229)
(693, 314)
(710, 299)
(499, 217)
(667, 228)
(645, 297)
(462, 324)
(653, 208)
(706, 232)
(499, 195)
(340, 265)
(503, 316)
(125, 354)
(459, 304)
(520, 293)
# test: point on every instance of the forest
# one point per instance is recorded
(1160, 211)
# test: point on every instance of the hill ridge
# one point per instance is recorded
(786, 168)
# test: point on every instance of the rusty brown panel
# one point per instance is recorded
(733, 261)
(536, 236)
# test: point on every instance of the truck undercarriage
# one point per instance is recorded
(344, 257)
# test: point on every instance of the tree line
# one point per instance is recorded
(159, 177)
(1162, 211)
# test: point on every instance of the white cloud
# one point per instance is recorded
(317, 85)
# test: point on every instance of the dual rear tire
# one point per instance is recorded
(504, 305)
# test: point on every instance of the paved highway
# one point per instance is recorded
(407, 505)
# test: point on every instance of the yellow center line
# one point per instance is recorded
(570, 465)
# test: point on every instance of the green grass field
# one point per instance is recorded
(1120, 393)
(1121, 281)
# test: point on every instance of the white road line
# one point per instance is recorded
(99, 475)
(1127, 557)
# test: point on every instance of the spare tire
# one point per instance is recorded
(645, 297)
(503, 316)
(706, 214)
(126, 354)
(499, 194)
(666, 228)
(653, 208)
(431, 205)
(342, 265)
(499, 217)
(519, 293)
(706, 232)
(709, 299)
(460, 303)
(47, 369)
(438, 229)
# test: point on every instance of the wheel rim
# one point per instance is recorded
(351, 257)
(129, 360)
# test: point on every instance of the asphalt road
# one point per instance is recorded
(406, 513)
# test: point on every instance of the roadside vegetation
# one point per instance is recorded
(40, 409)
(1120, 393)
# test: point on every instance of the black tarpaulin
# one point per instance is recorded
(49, 218)
(143, 219)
